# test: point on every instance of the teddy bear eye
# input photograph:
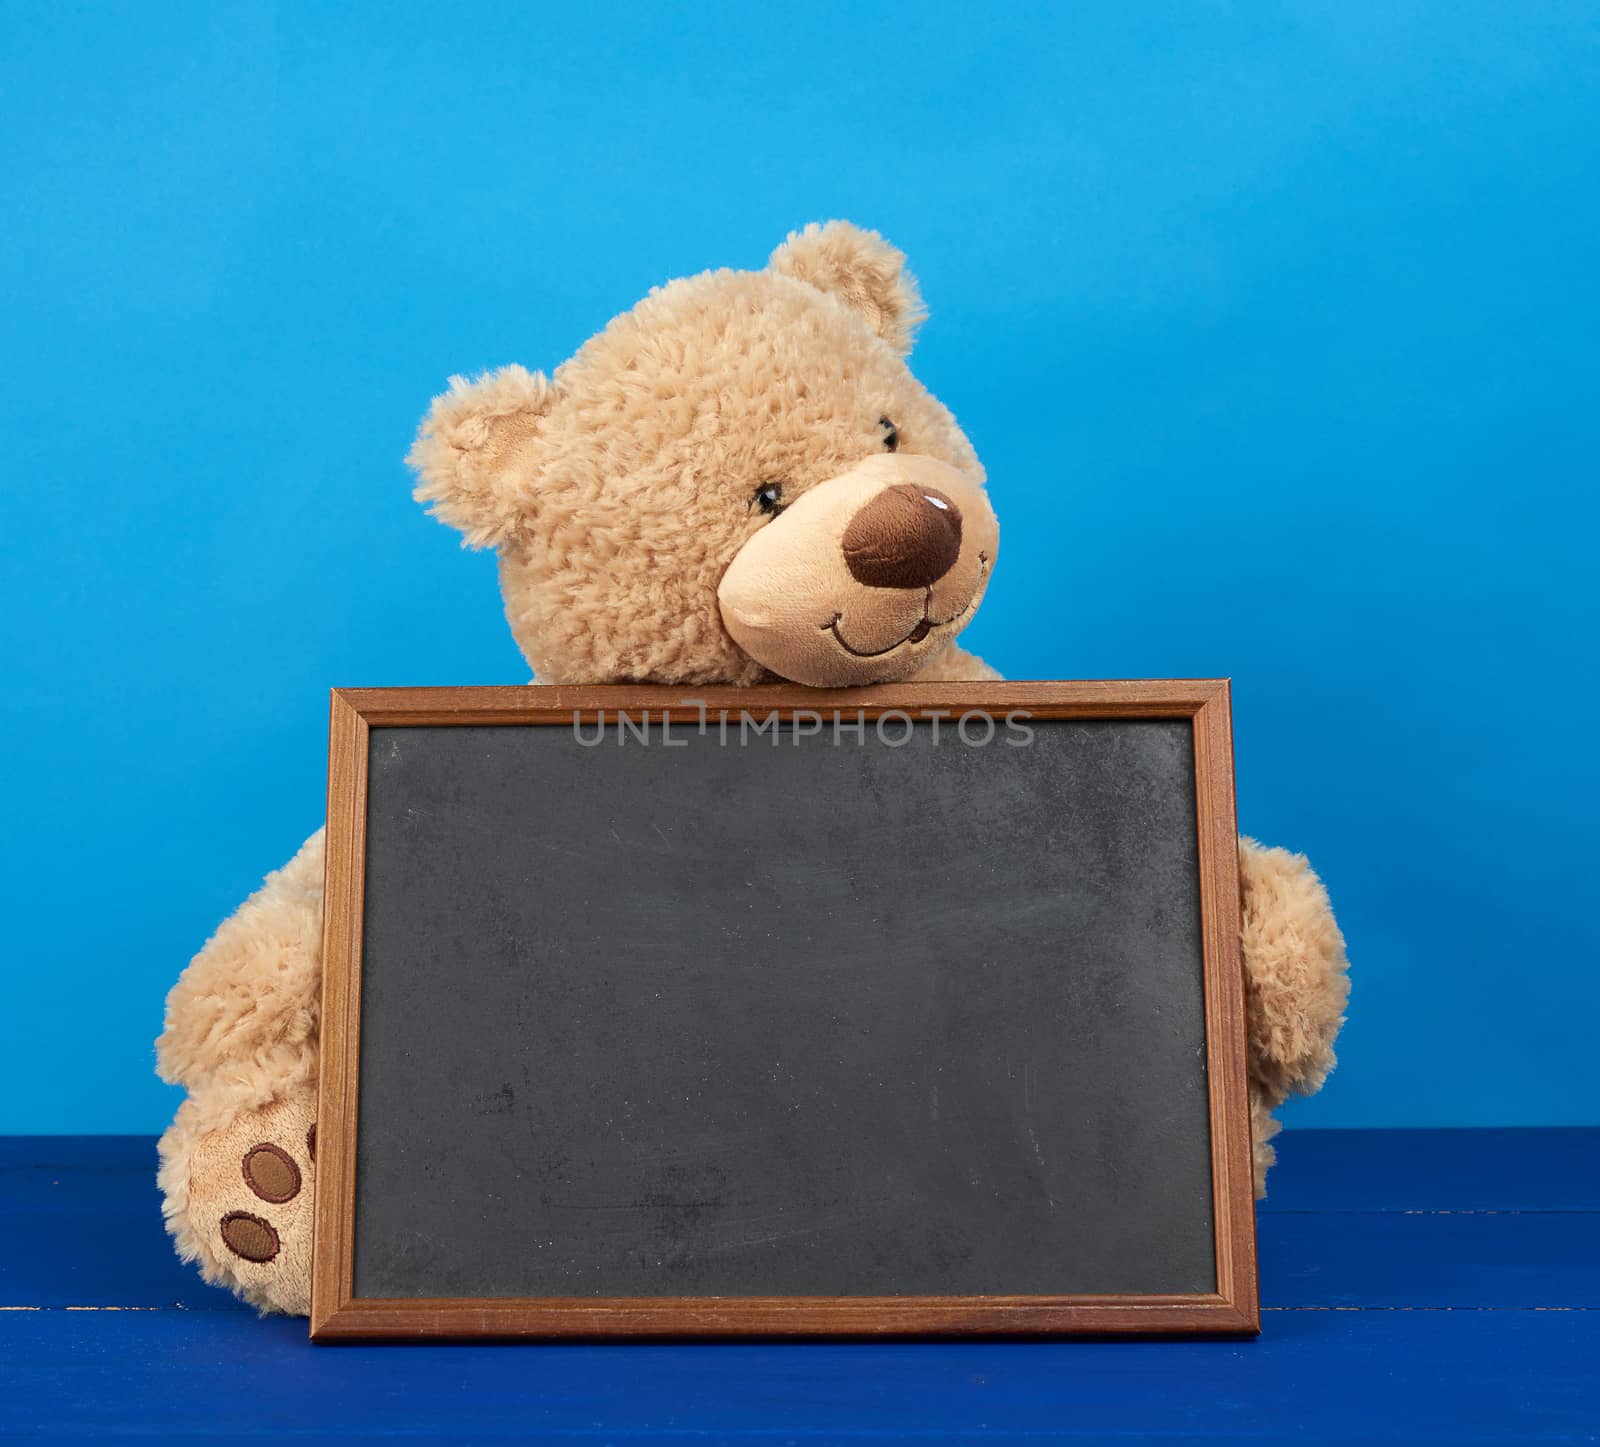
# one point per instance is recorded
(769, 498)
(891, 434)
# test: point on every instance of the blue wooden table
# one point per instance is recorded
(1418, 1286)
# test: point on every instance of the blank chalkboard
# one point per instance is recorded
(912, 1009)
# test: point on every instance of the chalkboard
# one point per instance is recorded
(913, 1009)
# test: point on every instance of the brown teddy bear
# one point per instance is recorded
(739, 479)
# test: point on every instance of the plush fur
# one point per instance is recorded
(737, 480)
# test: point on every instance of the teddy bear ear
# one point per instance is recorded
(860, 269)
(469, 448)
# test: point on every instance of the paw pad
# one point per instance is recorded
(271, 1173)
(249, 1236)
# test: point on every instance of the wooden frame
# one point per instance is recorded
(336, 1313)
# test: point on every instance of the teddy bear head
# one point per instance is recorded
(739, 479)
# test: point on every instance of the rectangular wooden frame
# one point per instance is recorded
(337, 1313)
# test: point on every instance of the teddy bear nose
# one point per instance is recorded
(906, 537)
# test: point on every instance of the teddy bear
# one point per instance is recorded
(739, 480)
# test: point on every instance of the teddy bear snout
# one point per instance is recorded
(864, 577)
(905, 537)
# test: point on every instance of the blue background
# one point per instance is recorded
(1277, 327)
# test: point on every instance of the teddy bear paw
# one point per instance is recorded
(249, 1203)
(1296, 973)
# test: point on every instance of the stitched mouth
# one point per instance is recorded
(925, 625)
